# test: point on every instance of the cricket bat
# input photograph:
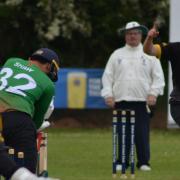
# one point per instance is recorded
(42, 154)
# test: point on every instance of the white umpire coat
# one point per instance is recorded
(132, 75)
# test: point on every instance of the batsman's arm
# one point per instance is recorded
(50, 109)
(42, 105)
(46, 123)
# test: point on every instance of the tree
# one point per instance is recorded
(29, 24)
(84, 32)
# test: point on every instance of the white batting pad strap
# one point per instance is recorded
(24, 174)
(43, 178)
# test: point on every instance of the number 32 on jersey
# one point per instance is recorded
(16, 89)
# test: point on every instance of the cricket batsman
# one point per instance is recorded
(26, 91)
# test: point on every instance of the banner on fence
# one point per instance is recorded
(79, 89)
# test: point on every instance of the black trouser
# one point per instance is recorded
(142, 128)
(19, 132)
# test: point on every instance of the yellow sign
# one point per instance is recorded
(77, 83)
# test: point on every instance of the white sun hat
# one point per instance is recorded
(133, 25)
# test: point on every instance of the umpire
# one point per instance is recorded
(133, 80)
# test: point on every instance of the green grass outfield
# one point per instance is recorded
(86, 154)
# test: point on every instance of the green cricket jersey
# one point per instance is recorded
(24, 87)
